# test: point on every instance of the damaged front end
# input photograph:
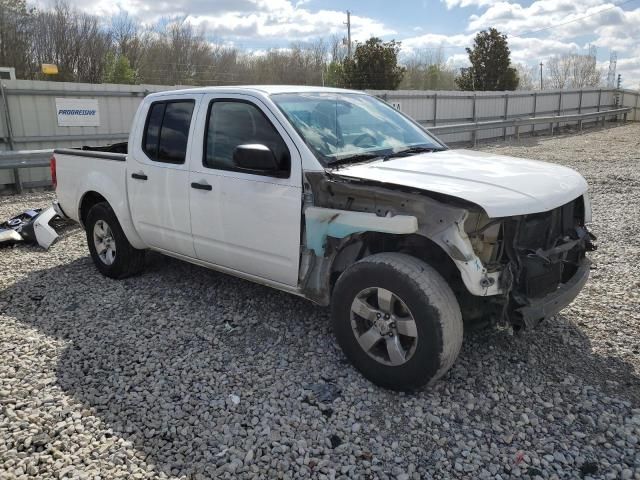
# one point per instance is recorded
(541, 257)
(514, 270)
(546, 261)
(345, 220)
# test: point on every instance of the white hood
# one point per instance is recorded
(503, 186)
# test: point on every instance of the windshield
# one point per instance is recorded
(345, 127)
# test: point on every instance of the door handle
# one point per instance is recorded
(201, 186)
(139, 176)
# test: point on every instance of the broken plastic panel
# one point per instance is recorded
(32, 226)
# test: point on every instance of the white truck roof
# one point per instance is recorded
(263, 89)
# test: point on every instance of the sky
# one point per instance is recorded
(536, 29)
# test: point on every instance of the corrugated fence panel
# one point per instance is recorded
(489, 107)
(6, 176)
(631, 99)
(457, 107)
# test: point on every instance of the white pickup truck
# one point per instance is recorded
(335, 196)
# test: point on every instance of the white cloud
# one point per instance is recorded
(287, 20)
(562, 19)
(468, 3)
(527, 50)
(288, 23)
(630, 70)
(435, 41)
(516, 19)
(604, 24)
(458, 60)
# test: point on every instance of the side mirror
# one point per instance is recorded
(256, 158)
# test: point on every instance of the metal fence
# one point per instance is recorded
(28, 118)
(438, 108)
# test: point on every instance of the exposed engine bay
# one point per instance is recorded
(536, 253)
(512, 270)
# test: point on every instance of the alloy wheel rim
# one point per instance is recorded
(384, 326)
(104, 242)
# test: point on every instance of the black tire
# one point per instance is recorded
(128, 261)
(430, 302)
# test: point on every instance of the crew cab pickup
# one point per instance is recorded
(335, 196)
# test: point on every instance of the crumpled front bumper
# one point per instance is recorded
(552, 303)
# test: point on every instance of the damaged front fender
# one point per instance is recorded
(475, 276)
(337, 211)
(321, 223)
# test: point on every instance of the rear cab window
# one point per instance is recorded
(166, 131)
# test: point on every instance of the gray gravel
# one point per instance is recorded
(187, 373)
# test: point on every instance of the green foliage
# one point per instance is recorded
(374, 65)
(118, 70)
(490, 64)
(334, 75)
(428, 70)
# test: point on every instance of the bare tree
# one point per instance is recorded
(585, 72)
(528, 77)
(338, 49)
(176, 55)
(573, 71)
(301, 63)
(427, 69)
(73, 41)
(15, 37)
(126, 37)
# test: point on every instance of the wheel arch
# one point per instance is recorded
(341, 253)
(88, 200)
(415, 245)
(92, 197)
(344, 252)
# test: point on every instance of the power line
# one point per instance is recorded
(571, 21)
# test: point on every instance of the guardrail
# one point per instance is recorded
(516, 123)
(19, 159)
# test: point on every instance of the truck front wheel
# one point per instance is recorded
(397, 320)
(110, 250)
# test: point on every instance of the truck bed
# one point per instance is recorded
(92, 169)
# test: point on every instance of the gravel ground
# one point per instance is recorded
(187, 373)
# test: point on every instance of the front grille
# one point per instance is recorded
(541, 269)
(539, 279)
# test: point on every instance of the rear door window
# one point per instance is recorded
(167, 131)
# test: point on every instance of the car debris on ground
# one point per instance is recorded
(33, 226)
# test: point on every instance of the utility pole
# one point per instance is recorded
(541, 75)
(348, 24)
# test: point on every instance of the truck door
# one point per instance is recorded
(158, 178)
(247, 221)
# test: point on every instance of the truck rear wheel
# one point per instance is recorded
(110, 250)
(397, 320)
